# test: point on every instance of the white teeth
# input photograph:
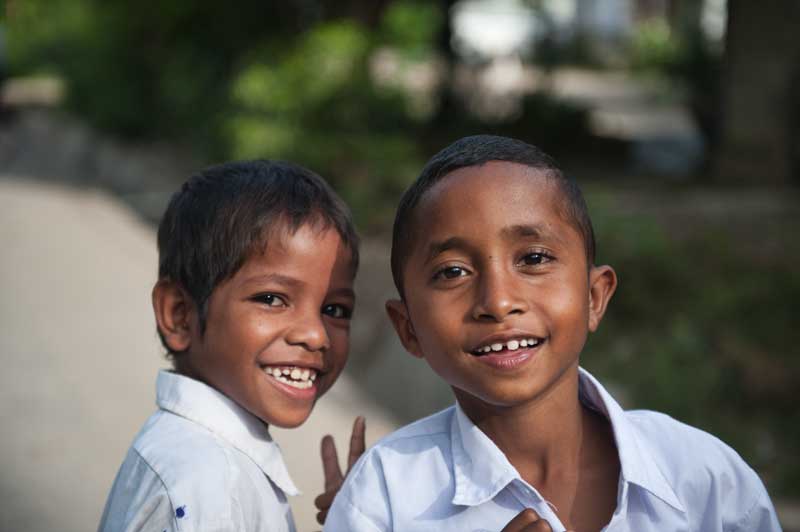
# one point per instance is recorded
(294, 376)
(294, 384)
(511, 345)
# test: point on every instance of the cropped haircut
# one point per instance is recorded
(478, 150)
(225, 214)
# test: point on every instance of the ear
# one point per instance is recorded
(173, 309)
(602, 284)
(398, 313)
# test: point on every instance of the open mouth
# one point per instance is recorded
(294, 376)
(507, 347)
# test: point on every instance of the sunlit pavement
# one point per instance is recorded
(80, 355)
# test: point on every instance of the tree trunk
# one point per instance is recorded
(762, 57)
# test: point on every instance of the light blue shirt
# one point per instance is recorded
(443, 474)
(200, 463)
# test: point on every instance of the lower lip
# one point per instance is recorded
(506, 361)
(305, 394)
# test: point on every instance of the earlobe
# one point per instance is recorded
(602, 284)
(398, 314)
(173, 309)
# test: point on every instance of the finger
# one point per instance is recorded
(325, 500)
(521, 521)
(538, 526)
(330, 464)
(321, 517)
(357, 441)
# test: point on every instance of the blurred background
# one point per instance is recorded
(679, 118)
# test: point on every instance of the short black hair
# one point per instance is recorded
(478, 150)
(222, 215)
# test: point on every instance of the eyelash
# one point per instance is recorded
(544, 257)
(269, 299)
(333, 310)
(442, 272)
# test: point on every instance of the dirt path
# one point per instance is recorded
(80, 356)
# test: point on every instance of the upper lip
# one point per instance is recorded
(300, 363)
(504, 337)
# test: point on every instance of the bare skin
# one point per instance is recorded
(499, 261)
(330, 466)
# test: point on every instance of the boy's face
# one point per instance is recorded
(277, 332)
(498, 269)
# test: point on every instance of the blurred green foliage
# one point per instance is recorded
(290, 80)
(703, 327)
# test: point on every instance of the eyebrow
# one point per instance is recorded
(344, 292)
(435, 248)
(277, 278)
(538, 231)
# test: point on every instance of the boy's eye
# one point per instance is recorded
(532, 259)
(450, 272)
(337, 311)
(270, 300)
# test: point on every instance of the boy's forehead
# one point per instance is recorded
(494, 199)
(469, 192)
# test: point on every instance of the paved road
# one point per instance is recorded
(80, 354)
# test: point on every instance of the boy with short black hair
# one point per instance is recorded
(253, 303)
(493, 258)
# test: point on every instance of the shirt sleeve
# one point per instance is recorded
(760, 518)
(345, 517)
(138, 500)
(362, 505)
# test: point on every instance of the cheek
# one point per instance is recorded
(340, 343)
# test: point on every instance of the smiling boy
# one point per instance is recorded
(493, 257)
(253, 302)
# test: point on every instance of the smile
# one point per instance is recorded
(294, 376)
(508, 346)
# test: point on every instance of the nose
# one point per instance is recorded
(309, 333)
(498, 296)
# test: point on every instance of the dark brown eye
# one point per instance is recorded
(534, 259)
(451, 272)
(337, 311)
(270, 300)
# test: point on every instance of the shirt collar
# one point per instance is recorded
(637, 466)
(211, 409)
(481, 469)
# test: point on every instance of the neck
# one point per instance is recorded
(542, 438)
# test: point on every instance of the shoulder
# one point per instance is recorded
(705, 473)
(673, 441)
(410, 443)
(181, 452)
(185, 466)
(419, 451)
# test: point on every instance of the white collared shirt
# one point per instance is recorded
(443, 474)
(201, 462)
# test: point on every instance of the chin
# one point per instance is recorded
(286, 422)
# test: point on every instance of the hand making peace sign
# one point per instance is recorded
(331, 469)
